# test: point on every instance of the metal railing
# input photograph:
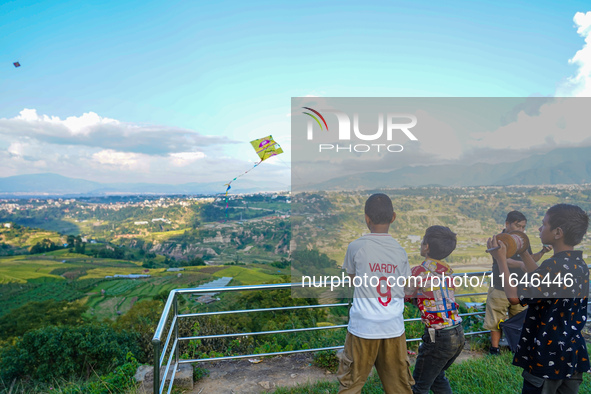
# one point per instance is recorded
(173, 329)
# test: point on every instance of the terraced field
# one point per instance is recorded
(21, 269)
(245, 276)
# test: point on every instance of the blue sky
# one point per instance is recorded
(179, 88)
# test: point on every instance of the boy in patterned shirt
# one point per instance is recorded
(431, 288)
(552, 350)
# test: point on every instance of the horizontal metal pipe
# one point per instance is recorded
(262, 332)
(244, 334)
(292, 351)
(286, 308)
(477, 332)
(259, 355)
(470, 294)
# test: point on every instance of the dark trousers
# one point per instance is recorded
(533, 384)
(435, 358)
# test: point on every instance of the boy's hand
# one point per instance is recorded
(497, 249)
(546, 249)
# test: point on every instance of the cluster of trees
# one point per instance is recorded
(312, 262)
(47, 245)
(75, 244)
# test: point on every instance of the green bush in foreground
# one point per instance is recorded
(66, 352)
(120, 381)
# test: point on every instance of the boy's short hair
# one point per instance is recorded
(571, 219)
(441, 241)
(515, 216)
(379, 209)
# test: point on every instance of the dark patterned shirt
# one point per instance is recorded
(552, 345)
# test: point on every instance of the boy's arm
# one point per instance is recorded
(530, 261)
(410, 290)
(500, 255)
(537, 256)
(349, 263)
(516, 264)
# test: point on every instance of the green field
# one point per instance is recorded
(246, 276)
(21, 269)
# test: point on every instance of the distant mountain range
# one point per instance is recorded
(58, 185)
(559, 166)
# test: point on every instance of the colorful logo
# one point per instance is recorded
(315, 118)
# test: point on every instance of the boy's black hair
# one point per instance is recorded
(515, 216)
(571, 219)
(379, 209)
(441, 241)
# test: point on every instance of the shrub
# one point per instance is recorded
(327, 360)
(66, 352)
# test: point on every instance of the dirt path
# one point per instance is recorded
(242, 376)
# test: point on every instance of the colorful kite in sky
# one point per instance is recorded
(16, 64)
(265, 147)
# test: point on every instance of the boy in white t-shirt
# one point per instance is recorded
(378, 267)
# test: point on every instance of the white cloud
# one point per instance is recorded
(74, 124)
(182, 159)
(580, 84)
(107, 150)
(95, 131)
(561, 122)
(122, 159)
(16, 148)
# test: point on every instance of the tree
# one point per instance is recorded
(38, 314)
(197, 261)
(44, 246)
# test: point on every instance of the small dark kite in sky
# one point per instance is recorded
(16, 64)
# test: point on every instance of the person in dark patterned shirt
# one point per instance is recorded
(552, 350)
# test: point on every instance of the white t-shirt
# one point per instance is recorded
(377, 260)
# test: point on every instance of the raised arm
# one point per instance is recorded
(500, 255)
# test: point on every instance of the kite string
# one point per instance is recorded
(244, 173)
(229, 183)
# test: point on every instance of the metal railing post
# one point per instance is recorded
(156, 343)
(176, 330)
